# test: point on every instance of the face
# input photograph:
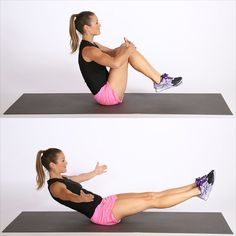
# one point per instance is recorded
(61, 164)
(94, 27)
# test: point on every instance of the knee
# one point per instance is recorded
(149, 196)
(151, 199)
(132, 55)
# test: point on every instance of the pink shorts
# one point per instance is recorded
(103, 212)
(107, 96)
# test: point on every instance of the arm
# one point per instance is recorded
(112, 52)
(102, 58)
(60, 191)
(99, 169)
(109, 51)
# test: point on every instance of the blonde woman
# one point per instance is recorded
(108, 87)
(110, 210)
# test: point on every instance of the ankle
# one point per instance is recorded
(157, 79)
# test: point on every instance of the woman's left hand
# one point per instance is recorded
(127, 42)
(100, 169)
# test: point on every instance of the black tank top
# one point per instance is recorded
(95, 75)
(86, 208)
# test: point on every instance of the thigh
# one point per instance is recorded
(130, 206)
(131, 195)
(118, 79)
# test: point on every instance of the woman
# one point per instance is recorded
(108, 88)
(112, 209)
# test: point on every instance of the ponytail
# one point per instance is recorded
(43, 160)
(74, 38)
(77, 22)
(40, 178)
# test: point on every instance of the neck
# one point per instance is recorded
(88, 37)
(55, 175)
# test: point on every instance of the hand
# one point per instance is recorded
(131, 47)
(124, 45)
(100, 169)
(127, 42)
(86, 197)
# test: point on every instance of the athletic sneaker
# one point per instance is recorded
(205, 189)
(200, 180)
(210, 177)
(167, 82)
(205, 184)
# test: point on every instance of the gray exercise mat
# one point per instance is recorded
(146, 222)
(134, 103)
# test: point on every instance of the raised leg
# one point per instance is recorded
(178, 190)
(157, 194)
(140, 63)
(128, 206)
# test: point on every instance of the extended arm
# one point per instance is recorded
(99, 169)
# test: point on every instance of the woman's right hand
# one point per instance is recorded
(83, 197)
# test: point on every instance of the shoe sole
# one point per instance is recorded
(157, 91)
(180, 82)
(214, 176)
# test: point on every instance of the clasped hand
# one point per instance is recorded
(128, 44)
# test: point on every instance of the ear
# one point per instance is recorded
(51, 165)
(86, 28)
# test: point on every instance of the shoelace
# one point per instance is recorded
(200, 180)
(164, 80)
(165, 77)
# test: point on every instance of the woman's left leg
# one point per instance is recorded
(140, 63)
(157, 194)
(130, 206)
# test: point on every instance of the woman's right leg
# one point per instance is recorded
(157, 194)
(131, 206)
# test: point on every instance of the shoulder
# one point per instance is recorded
(91, 49)
(90, 53)
(57, 187)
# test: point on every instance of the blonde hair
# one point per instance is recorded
(43, 159)
(77, 22)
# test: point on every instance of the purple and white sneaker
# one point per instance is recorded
(167, 82)
(210, 177)
(200, 180)
(205, 189)
(205, 184)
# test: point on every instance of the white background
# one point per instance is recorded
(194, 39)
(141, 154)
